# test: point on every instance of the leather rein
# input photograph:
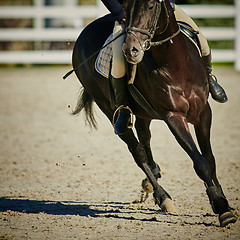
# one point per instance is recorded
(148, 43)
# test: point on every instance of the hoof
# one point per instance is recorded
(226, 218)
(147, 186)
(168, 206)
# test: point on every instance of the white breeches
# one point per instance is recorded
(183, 17)
(118, 65)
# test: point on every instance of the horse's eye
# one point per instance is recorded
(151, 7)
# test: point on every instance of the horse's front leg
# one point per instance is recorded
(179, 127)
(202, 130)
(162, 198)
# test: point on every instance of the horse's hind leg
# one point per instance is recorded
(178, 126)
(144, 136)
(139, 154)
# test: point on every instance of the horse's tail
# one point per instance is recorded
(85, 101)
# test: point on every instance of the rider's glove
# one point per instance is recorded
(122, 21)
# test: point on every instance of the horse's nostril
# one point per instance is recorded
(134, 52)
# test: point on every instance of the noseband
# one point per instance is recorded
(147, 44)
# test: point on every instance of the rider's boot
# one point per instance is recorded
(122, 123)
(217, 92)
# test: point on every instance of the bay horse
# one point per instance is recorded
(172, 77)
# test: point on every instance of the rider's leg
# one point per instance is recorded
(217, 92)
(119, 81)
(215, 89)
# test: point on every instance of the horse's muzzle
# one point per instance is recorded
(132, 52)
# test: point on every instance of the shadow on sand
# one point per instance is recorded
(48, 207)
(84, 209)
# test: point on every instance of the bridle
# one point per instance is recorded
(148, 43)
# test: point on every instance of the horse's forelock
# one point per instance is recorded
(130, 7)
(135, 10)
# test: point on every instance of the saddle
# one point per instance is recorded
(104, 58)
(191, 34)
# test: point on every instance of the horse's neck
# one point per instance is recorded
(167, 23)
(172, 50)
(169, 53)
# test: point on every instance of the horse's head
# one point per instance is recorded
(144, 22)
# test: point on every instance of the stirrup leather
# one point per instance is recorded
(213, 76)
(130, 126)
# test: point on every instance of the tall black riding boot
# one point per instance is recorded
(217, 92)
(122, 123)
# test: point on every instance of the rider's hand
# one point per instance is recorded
(123, 21)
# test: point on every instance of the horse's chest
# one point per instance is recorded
(172, 98)
(169, 97)
(162, 91)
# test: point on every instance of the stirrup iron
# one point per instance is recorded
(130, 126)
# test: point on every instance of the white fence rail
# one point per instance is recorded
(76, 14)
